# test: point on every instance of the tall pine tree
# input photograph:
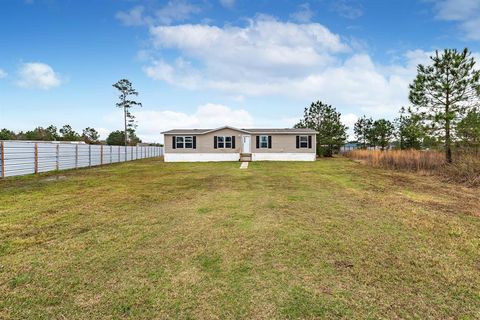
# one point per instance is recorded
(126, 91)
(445, 90)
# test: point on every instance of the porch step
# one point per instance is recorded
(245, 157)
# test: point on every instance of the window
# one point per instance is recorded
(224, 142)
(263, 141)
(184, 142)
(303, 141)
(228, 142)
(179, 142)
(220, 142)
(188, 142)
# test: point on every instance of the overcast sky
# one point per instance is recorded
(209, 63)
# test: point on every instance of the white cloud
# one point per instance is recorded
(227, 3)
(269, 57)
(347, 9)
(304, 13)
(38, 75)
(151, 122)
(134, 17)
(103, 132)
(3, 74)
(174, 10)
(349, 120)
(466, 12)
(265, 48)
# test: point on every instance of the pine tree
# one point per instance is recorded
(382, 133)
(468, 131)
(323, 118)
(126, 90)
(410, 130)
(362, 128)
(445, 90)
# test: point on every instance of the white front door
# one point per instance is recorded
(246, 144)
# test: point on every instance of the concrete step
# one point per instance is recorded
(245, 157)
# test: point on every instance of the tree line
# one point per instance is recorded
(67, 133)
(444, 112)
(409, 131)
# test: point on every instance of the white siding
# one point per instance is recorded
(201, 157)
(283, 157)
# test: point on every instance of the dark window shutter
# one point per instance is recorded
(233, 142)
(194, 142)
(258, 142)
(298, 142)
(174, 145)
(215, 142)
(309, 142)
(269, 142)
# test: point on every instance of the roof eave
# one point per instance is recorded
(237, 129)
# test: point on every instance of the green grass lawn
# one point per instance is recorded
(327, 239)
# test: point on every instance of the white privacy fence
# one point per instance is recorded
(25, 157)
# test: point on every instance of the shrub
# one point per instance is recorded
(464, 169)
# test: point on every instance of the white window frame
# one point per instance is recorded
(224, 142)
(188, 142)
(261, 144)
(300, 142)
(182, 142)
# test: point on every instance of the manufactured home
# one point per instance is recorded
(232, 144)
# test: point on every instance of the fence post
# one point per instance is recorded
(2, 150)
(76, 156)
(58, 157)
(111, 155)
(89, 155)
(36, 158)
(101, 154)
(119, 149)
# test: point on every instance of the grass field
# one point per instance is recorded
(147, 239)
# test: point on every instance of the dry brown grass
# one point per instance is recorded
(412, 160)
(464, 169)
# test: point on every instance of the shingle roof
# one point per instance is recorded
(251, 130)
(281, 130)
(189, 131)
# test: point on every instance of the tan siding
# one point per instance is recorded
(283, 143)
(205, 143)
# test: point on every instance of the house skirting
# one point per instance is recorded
(200, 157)
(283, 156)
(264, 156)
